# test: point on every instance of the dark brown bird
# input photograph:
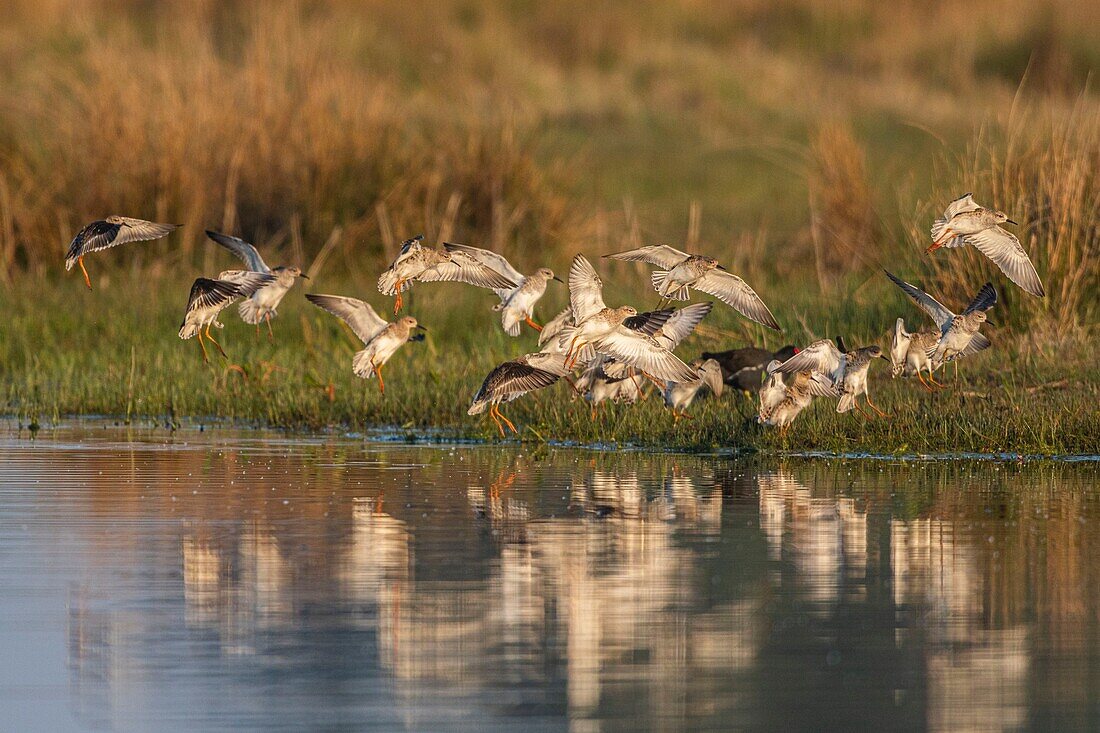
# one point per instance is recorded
(743, 369)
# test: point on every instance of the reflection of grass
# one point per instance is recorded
(80, 362)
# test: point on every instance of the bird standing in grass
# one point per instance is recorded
(261, 305)
(683, 271)
(517, 305)
(680, 395)
(111, 232)
(209, 297)
(426, 264)
(513, 379)
(781, 403)
(910, 354)
(847, 370)
(380, 338)
(965, 222)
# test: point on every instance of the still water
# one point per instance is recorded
(250, 581)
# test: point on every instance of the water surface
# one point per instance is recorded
(251, 581)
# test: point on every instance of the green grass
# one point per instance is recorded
(66, 351)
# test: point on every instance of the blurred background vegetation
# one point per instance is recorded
(807, 143)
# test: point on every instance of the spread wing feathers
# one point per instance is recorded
(934, 308)
(649, 322)
(514, 378)
(735, 292)
(387, 281)
(242, 249)
(113, 232)
(489, 259)
(984, 300)
(408, 247)
(711, 374)
(363, 320)
(821, 385)
(680, 325)
(464, 269)
(820, 356)
(207, 293)
(900, 333)
(963, 203)
(658, 254)
(247, 282)
(659, 278)
(582, 355)
(555, 325)
(637, 350)
(1008, 254)
(978, 342)
(585, 289)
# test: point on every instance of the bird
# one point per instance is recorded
(261, 305)
(744, 368)
(621, 333)
(680, 395)
(846, 369)
(517, 305)
(682, 271)
(209, 297)
(679, 325)
(960, 335)
(426, 264)
(781, 403)
(965, 222)
(380, 338)
(910, 354)
(111, 232)
(598, 387)
(513, 379)
(549, 341)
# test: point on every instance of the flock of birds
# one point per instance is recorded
(614, 349)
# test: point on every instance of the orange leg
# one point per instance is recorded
(493, 414)
(270, 333)
(945, 237)
(205, 358)
(211, 339)
(87, 280)
(397, 303)
(873, 406)
(924, 383)
(532, 324)
(855, 401)
(378, 371)
(506, 420)
(569, 360)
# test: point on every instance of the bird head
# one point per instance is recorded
(547, 274)
(410, 322)
(296, 272)
(628, 311)
(1002, 218)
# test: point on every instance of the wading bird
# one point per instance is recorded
(781, 403)
(209, 297)
(965, 222)
(960, 335)
(426, 264)
(911, 354)
(381, 339)
(111, 232)
(513, 379)
(597, 386)
(680, 395)
(847, 370)
(683, 271)
(261, 305)
(517, 305)
(620, 333)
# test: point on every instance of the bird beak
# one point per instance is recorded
(885, 358)
(722, 268)
(303, 276)
(990, 323)
(421, 327)
(1009, 221)
(559, 279)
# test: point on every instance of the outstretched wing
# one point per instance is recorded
(680, 325)
(735, 292)
(363, 320)
(489, 259)
(553, 327)
(514, 378)
(247, 282)
(658, 254)
(464, 269)
(984, 300)
(939, 313)
(649, 322)
(711, 373)
(207, 293)
(1008, 254)
(637, 350)
(113, 231)
(585, 290)
(820, 356)
(821, 385)
(242, 249)
(965, 202)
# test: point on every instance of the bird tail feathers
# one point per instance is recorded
(661, 285)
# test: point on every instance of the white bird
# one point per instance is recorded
(111, 232)
(209, 297)
(620, 333)
(967, 222)
(549, 337)
(598, 387)
(380, 338)
(846, 370)
(683, 271)
(780, 403)
(513, 379)
(960, 335)
(679, 326)
(261, 305)
(910, 354)
(426, 264)
(680, 395)
(517, 304)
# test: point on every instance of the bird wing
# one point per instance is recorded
(121, 230)
(935, 309)
(554, 326)
(820, 356)
(1008, 254)
(681, 323)
(965, 202)
(978, 342)
(638, 350)
(242, 249)
(364, 321)
(658, 254)
(487, 258)
(735, 292)
(139, 230)
(984, 300)
(247, 282)
(585, 290)
(207, 293)
(465, 269)
(515, 378)
(821, 386)
(649, 322)
(711, 373)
